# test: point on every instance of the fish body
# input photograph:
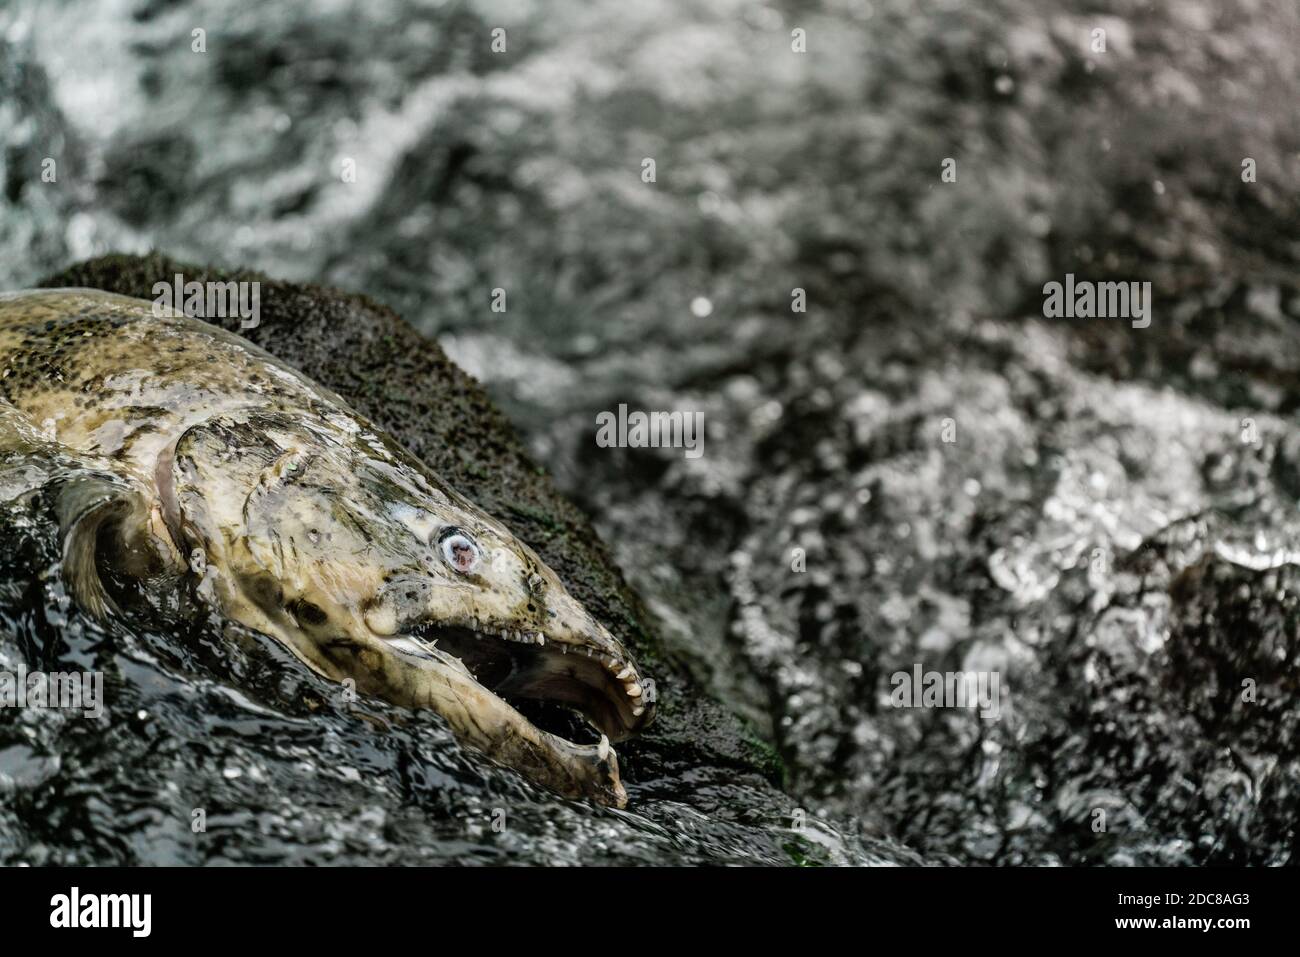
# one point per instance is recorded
(183, 450)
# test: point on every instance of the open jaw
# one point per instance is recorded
(550, 682)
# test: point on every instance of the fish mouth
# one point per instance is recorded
(557, 685)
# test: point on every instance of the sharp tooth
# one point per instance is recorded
(540, 638)
(602, 749)
(627, 672)
(638, 711)
(633, 691)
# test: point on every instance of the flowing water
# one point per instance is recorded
(1104, 516)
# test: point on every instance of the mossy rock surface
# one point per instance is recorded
(405, 383)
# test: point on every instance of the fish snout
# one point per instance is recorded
(591, 653)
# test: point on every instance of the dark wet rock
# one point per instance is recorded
(1206, 748)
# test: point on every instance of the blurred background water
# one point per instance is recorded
(1105, 532)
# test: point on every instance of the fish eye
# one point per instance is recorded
(459, 550)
